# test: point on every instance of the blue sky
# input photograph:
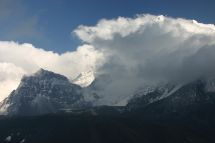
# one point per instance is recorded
(48, 24)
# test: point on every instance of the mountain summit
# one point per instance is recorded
(42, 92)
(84, 79)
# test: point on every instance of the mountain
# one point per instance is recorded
(164, 112)
(190, 98)
(43, 92)
(84, 79)
(152, 93)
(48, 92)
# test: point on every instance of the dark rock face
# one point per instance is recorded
(43, 92)
(150, 95)
(188, 99)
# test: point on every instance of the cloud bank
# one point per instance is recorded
(150, 48)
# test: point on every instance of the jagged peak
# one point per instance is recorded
(84, 79)
(42, 71)
(45, 74)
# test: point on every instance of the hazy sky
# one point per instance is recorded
(48, 23)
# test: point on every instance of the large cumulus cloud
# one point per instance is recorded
(150, 48)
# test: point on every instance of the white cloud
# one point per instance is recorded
(18, 59)
(108, 29)
(10, 76)
(150, 48)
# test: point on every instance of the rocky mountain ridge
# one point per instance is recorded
(47, 92)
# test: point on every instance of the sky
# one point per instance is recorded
(48, 24)
(132, 42)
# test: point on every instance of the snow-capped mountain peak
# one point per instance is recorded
(44, 74)
(84, 79)
(43, 92)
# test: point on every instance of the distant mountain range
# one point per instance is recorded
(47, 92)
